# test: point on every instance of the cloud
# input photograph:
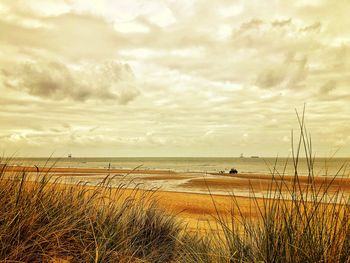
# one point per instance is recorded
(327, 87)
(61, 35)
(314, 27)
(270, 78)
(224, 66)
(282, 23)
(288, 74)
(109, 81)
(253, 24)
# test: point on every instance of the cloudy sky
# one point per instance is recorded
(172, 78)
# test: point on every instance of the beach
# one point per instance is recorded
(195, 198)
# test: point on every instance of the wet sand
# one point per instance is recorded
(260, 183)
(167, 180)
(81, 171)
(186, 195)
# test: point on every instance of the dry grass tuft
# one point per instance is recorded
(43, 222)
(296, 223)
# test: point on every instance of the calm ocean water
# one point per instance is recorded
(322, 166)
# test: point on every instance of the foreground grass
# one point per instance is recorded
(41, 222)
(46, 222)
(296, 224)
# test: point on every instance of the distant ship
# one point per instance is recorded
(69, 155)
(254, 156)
(241, 156)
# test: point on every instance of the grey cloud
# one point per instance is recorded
(55, 80)
(282, 23)
(327, 87)
(210, 86)
(340, 57)
(270, 78)
(251, 53)
(276, 35)
(288, 74)
(313, 27)
(64, 35)
(252, 24)
(334, 13)
(298, 72)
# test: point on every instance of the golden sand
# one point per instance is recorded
(197, 209)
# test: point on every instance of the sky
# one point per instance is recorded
(173, 77)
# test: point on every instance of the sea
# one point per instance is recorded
(248, 165)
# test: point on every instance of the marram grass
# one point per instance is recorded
(46, 222)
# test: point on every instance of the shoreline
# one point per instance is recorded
(248, 166)
(185, 195)
(172, 181)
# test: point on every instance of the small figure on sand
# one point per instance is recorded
(233, 171)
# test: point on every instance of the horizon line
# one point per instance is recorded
(226, 157)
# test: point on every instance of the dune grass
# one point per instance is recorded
(41, 221)
(295, 224)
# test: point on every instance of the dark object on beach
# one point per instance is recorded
(233, 171)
